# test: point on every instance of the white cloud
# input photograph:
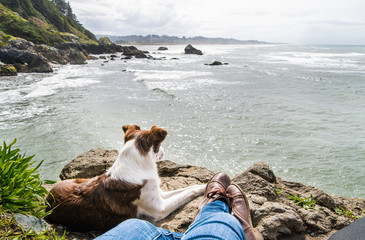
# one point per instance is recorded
(301, 21)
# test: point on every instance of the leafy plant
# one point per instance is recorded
(306, 203)
(278, 191)
(21, 189)
(342, 211)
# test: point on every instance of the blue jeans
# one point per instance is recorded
(213, 222)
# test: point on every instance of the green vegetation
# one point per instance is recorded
(21, 191)
(278, 191)
(5, 38)
(9, 229)
(342, 211)
(7, 70)
(306, 203)
(41, 21)
(105, 41)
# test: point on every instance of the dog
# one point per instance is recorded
(129, 189)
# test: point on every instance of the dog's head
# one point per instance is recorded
(146, 140)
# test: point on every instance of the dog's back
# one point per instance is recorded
(98, 203)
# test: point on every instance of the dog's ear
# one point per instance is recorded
(126, 127)
(157, 136)
(129, 131)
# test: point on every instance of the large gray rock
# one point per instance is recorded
(31, 223)
(257, 180)
(27, 61)
(90, 164)
(275, 220)
(189, 49)
(273, 214)
(52, 54)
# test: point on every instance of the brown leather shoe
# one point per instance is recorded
(241, 210)
(216, 189)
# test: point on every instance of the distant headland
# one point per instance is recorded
(164, 39)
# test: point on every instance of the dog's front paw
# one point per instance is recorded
(199, 189)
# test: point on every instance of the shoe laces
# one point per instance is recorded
(222, 195)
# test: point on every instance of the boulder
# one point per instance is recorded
(31, 223)
(131, 51)
(90, 164)
(257, 180)
(273, 214)
(52, 54)
(7, 70)
(21, 44)
(24, 60)
(216, 63)
(77, 58)
(189, 49)
(162, 49)
(102, 48)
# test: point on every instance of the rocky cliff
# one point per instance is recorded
(280, 209)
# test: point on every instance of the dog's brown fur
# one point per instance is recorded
(98, 203)
(101, 203)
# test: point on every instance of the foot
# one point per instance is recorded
(216, 189)
(241, 210)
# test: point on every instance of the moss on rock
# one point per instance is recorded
(8, 70)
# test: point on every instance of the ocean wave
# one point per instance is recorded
(315, 59)
(67, 77)
(159, 90)
(51, 85)
(168, 74)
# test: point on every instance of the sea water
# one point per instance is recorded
(300, 109)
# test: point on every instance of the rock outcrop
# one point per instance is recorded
(24, 60)
(7, 70)
(189, 49)
(28, 57)
(272, 212)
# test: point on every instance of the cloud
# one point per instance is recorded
(267, 20)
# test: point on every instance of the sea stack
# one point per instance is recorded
(189, 49)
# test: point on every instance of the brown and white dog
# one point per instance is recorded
(129, 189)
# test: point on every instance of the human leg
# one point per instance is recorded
(136, 229)
(215, 222)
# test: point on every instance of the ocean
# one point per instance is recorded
(300, 109)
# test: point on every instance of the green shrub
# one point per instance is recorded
(307, 203)
(21, 189)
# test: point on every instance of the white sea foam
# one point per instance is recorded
(318, 60)
(68, 77)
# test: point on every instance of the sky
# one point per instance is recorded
(283, 21)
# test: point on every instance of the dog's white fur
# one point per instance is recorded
(131, 166)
